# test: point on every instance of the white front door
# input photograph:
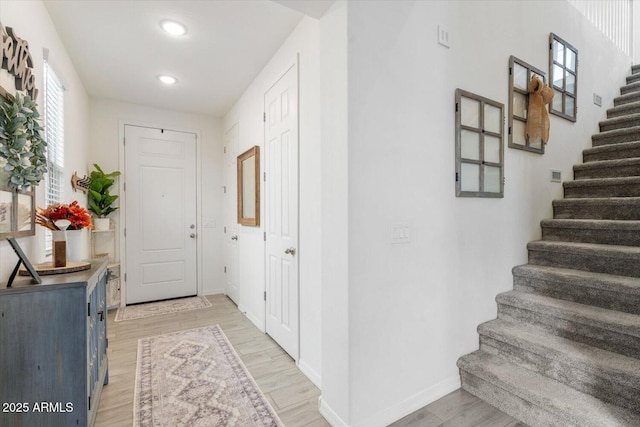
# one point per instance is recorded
(281, 212)
(231, 214)
(160, 197)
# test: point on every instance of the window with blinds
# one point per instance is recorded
(54, 135)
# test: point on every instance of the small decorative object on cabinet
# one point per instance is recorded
(103, 245)
(54, 349)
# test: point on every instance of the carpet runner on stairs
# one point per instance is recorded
(565, 348)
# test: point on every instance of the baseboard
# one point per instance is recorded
(257, 322)
(331, 417)
(412, 404)
(310, 373)
(213, 291)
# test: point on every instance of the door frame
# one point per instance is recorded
(121, 244)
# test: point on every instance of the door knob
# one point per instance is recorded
(291, 251)
(192, 226)
(192, 235)
(234, 237)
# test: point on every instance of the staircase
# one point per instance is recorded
(565, 348)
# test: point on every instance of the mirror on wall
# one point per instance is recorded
(249, 187)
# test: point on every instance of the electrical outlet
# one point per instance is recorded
(443, 36)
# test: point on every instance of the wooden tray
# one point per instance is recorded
(47, 268)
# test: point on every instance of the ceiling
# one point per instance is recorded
(119, 49)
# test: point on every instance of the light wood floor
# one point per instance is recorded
(291, 394)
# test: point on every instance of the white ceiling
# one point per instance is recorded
(118, 47)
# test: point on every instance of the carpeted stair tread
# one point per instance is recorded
(608, 291)
(616, 136)
(630, 87)
(594, 187)
(633, 78)
(601, 373)
(619, 122)
(635, 69)
(598, 208)
(624, 109)
(614, 321)
(611, 232)
(623, 150)
(595, 257)
(626, 99)
(628, 166)
(563, 405)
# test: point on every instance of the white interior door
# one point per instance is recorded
(281, 212)
(231, 214)
(160, 196)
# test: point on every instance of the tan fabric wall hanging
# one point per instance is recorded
(537, 116)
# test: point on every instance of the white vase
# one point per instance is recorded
(101, 224)
(77, 245)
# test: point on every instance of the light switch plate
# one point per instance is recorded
(400, 232)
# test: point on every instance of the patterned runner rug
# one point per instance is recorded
(194, 378)
(161, 307)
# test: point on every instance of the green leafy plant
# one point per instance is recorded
(100, 201)
(21, 142)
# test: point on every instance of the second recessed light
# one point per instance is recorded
(168, 80)
(174, 28)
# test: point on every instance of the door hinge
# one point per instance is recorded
(264, 117)
(125, 277)
(265, 295)
(264, 236)
(124, 186)
(225, 150)
(125, 231)
(124, 141)
(264, 176)
(225, 229)
(224, 189)
(225, 269)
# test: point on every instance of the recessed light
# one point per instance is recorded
(174, 28)
(168, 80)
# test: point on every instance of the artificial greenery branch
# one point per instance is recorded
(21, 143)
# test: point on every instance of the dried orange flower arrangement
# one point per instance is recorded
(77, 215)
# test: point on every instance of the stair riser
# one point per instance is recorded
(604, 127)
(509, 403)
(603, 386)
(633, 78)
(599, 139)
(625, 153)
(607, 172)
(563, 290)
(633, 97)
(602, 190)
(596, 211)
(575, 330)
(585, 235)
(594, 262)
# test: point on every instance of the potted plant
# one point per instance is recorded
(100, 201)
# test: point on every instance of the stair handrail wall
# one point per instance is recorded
(614, 18)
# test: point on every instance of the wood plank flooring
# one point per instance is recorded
(291, 394)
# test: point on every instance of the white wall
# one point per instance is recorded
(31, 22)
(247, 112)
(106, 117)
(412, 309)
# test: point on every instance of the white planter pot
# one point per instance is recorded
(77, 245)
(101, 224)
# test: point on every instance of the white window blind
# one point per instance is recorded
(54, 135)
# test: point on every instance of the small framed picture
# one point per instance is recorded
(22, 259)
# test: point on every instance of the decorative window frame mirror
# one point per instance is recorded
(249, 187)
(520, 74)
(17, 207)
(479, 146)
(563, 73)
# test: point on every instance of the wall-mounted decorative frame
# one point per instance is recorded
(563, 73)
(479, 146)
(520, 74)
(249, 187)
